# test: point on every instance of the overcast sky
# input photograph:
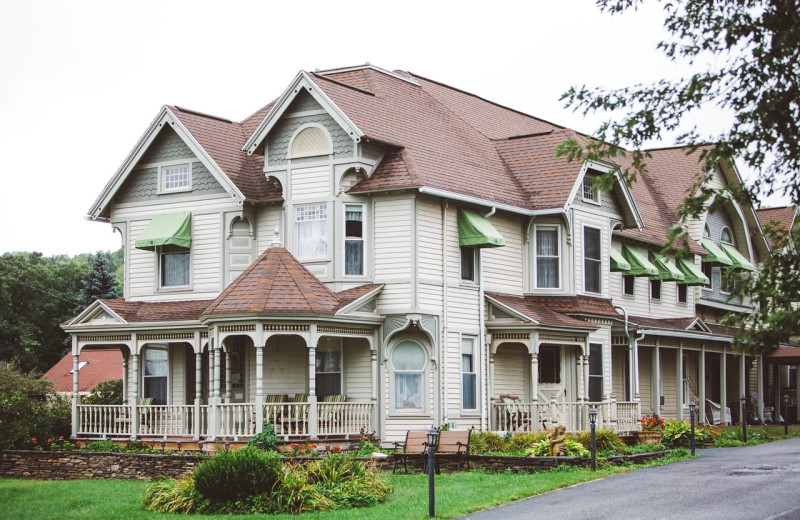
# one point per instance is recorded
(80, 81)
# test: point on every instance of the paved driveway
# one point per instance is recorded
(756, 482)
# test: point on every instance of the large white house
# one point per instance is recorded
(376, 250)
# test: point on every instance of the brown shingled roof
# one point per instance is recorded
(556, 310)
(778, 218)
(136, 312)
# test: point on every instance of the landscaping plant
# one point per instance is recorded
(235, 475)
(266, 440)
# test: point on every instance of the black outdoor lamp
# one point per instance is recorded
(592, 424)
(744, 418)
(433, 443)
(785, 415)
(692, 406)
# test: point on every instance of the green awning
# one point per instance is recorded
(715, 254)
(691, 274)
(737, 260)
(475, 231)
(171, 229)
(618, 262)
(640, 265)
(666, 269)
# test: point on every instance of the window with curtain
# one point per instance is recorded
(408, 360)
(469, 386)
(592, 260)
(174, 266)
(547, 258)
(329, 372)
(595, 372)
(155, 373)
(353, 239)
(312, 230)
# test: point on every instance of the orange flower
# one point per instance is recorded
(49, 440)
(61, 437)
(77, 443)
(33, 440)
(314, 446)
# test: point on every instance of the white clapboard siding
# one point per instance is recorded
(453, 375)
(206, 253)
(696, 225)
(430, 297)
(429, 237)
(510, 364)
(393, 251)
(669, 376)
(310, 183)
(177, 358)
(285, 366)
(145, 211)
(267, 219)
(462, 307)
(357, 371)
(141, 264)
(618, 376)
(645, 378)
(502, 266)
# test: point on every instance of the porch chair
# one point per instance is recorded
(516, 414)
(143, 407)
(274, 413)
(331, 416)
(293, 423)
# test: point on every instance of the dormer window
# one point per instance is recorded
(726, 237)
(176, 177)
(589, 191)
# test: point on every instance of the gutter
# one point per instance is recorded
(483, 202)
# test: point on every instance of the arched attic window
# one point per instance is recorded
(726, 236)
(311, 141)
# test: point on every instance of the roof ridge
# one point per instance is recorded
(203, 114)
(320, 76)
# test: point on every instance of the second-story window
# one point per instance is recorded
(547, 257)
(312, 230)
(628, 284)
(353, 239)
(176, 177)
(592, 260)
(682, 293)
(468, 263)
(174, 266)
(655, 289)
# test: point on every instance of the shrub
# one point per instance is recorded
(346, 482)
(606, 440)
(106, 392)
(266, 440)
(234, 475)
(677, 433)
(105, 447)
(485, 442)
(542, 449)
(172, 496)
(522, 441)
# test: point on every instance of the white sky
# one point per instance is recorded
(80, 81)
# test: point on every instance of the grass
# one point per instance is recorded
(455, 496)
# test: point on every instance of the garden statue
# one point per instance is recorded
(556, 438)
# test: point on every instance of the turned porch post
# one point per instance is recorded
(198, 384)
(701, 386)
(679, 389)
(259, 377)
(723, 386)
(313, 423)
(75, 391)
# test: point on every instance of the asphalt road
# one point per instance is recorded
(755, 482)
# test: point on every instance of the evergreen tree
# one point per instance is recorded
(99, 282)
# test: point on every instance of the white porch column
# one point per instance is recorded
(656, 379)
(228, 376)
(373, 360)
(723, 385)
(586, 379)
(579, 375)
(636, 388)
(215, 418)
(679, 389)
(743, 376)
(259, 377)
(134, 396)
(198, 384)
(760, 385)
(75, 391)
(313, 423)
(535, 377)
(125, 378)
(701, 386)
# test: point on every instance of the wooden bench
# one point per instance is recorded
(452, 444)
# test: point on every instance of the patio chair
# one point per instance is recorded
(273, 413)
(517, 414)
(294, 423)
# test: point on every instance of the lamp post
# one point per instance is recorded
(744, 418)
(433, 443)
(692, 406)
(785, 415)
(592, 423)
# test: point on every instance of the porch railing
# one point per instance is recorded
(104, 420)
(166, 420)
(343, 418)
(237, 419)
(532, 417)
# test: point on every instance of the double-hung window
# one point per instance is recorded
(589, 192)
(353, 239)
(592, 260)
(408, 360)
(469, 386)
(155, 373)
(547, 258)
(174, 266)
(312, 230)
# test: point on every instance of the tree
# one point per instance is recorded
(99, 282)
(754, 49)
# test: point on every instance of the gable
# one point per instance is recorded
(142, 184)
(302, 111)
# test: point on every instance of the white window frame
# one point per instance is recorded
(161, 347)
(722, 285)
(660, 289)
(587, 186)
(160, 266)
(536, 255)
(475, 266)
(326, 207)
(363, 239)
(162, 177)
(474, 373)
(730, 233)
(600, 260)
(623, 276)
(317, 153)
(399, 410)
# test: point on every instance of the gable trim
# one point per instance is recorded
(358, 302)
(510, 310)
(94, 308)
(626, 192)
(164, 117)
(300, 82)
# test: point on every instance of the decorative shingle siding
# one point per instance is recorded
(370, 152)
(281, 134)
(168, 146)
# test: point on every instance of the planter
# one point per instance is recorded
(650, 437)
